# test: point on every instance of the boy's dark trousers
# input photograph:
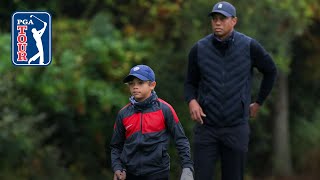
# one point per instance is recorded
(158, 176)
(211, 145)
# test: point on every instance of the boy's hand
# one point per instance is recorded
(186, 174)
(119, 175)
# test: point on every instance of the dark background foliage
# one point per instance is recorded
(56, 122)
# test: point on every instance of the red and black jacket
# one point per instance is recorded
(141, 135)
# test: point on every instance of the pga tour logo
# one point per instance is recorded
(31, 38)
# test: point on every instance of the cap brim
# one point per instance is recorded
(220, 12)
(131, 76)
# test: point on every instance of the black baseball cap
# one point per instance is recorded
(224, 8)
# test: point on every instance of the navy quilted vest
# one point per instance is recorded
(224, 88)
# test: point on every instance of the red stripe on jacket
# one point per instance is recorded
(115, 125)
(176, 119)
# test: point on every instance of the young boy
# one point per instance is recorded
(141, 133)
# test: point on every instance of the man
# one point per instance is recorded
(218, 92)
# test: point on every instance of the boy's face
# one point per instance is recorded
(141, 90)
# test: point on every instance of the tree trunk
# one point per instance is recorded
(281, 142)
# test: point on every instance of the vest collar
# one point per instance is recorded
(223, 44)
(229, 38)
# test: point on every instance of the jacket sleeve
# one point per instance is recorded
(264, 63)
(177, 133)
(116, 144)
(193, 75)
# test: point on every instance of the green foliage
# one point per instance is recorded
(78, 93)
(305, 140)
(285, 19)
(305, 106)
(56, 120)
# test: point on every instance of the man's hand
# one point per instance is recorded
(120, 175)
(254, 108)
(186, 174)
(196, 112)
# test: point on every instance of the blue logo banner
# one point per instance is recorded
(31, 38)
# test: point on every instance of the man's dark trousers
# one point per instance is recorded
(159, 176)
(227, 144)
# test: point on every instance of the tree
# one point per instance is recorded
(282, 21)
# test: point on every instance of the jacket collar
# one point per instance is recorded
(139, 106)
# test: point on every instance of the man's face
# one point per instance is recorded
(222, 25)
(141, 90)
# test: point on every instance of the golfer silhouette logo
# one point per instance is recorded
(37, 37)
(31, 39)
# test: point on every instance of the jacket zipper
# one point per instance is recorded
(140, 162)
